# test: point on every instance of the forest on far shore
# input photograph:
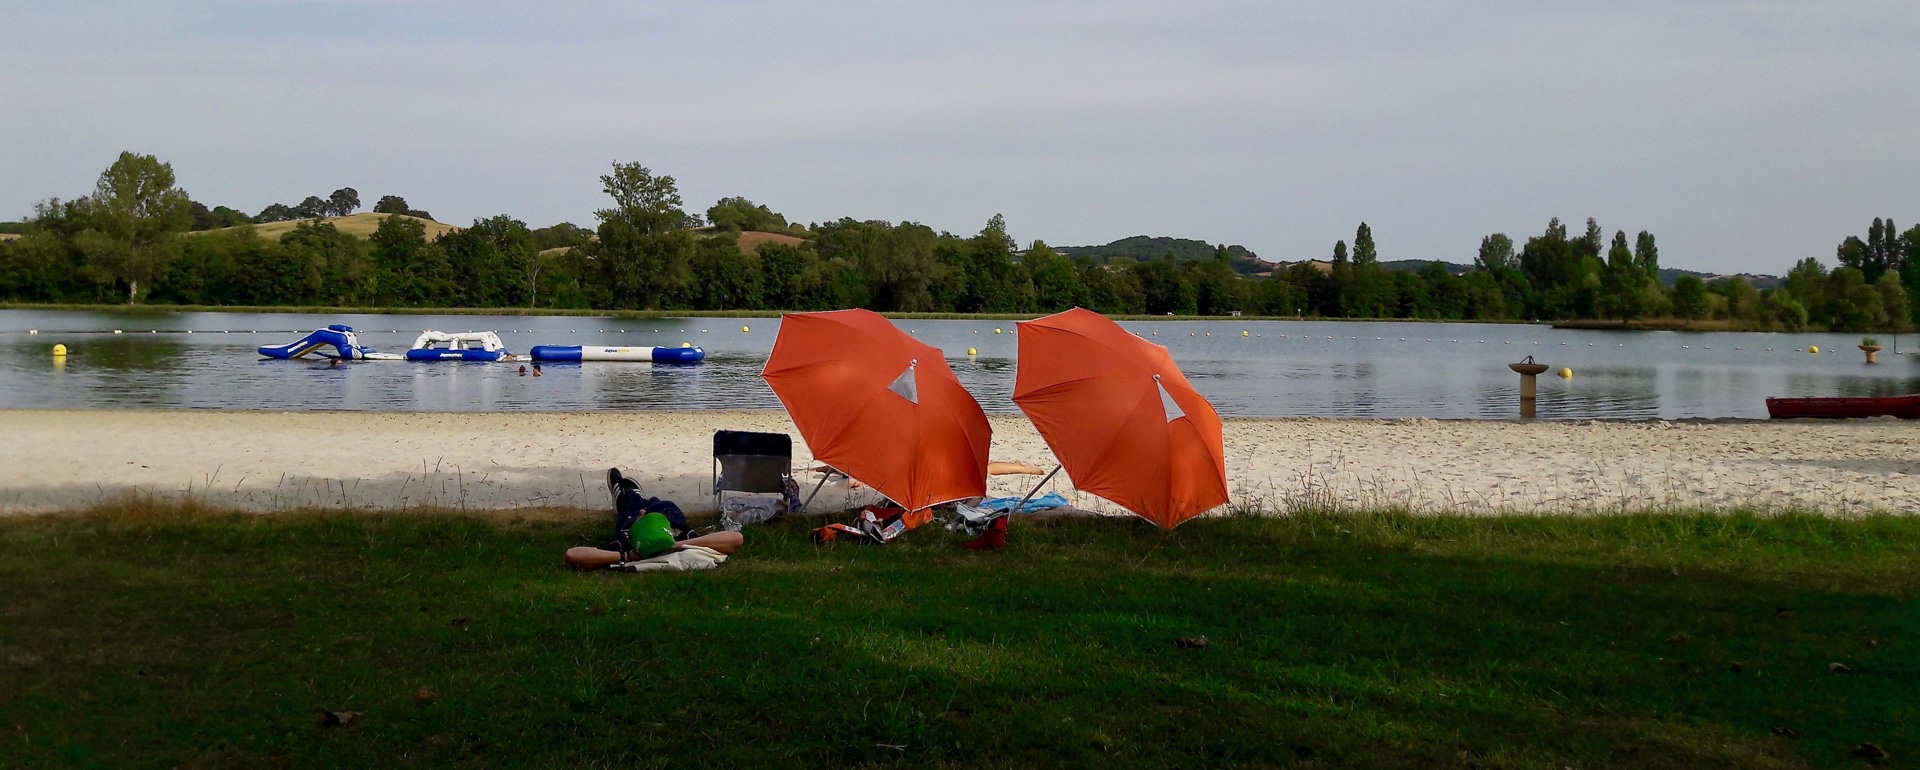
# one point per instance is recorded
(139, 239)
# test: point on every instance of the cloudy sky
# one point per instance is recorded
(1745, 134)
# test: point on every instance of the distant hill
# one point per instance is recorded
(1417, 265)
(751, 240)
(1670, 275)
(1141, 248)
(361, 225)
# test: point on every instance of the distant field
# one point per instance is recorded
(361, 225)
(751, 242)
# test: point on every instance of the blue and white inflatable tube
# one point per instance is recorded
(684, 355)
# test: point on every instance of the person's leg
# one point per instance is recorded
(724, 542)
(667, 508)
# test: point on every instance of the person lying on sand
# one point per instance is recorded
(645, 527)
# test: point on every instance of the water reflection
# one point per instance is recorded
(1276, 369)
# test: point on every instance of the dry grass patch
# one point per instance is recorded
(359, 225)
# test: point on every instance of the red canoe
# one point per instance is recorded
(1903, 407)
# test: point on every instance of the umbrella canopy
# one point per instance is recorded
(880, 406)
(1120, 416)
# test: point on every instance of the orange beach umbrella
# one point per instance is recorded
(880, 406)
(1122, 419)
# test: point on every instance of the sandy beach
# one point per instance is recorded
(265, 461)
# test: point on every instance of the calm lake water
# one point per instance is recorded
(1280, 368)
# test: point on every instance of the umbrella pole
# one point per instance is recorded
(1034, 491)
(816, 490)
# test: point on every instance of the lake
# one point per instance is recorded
(1276, 369)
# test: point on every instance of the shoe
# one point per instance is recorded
(994, 539)
(617, 483)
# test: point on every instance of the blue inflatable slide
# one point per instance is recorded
(337, 336)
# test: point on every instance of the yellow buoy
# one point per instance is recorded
(1243, 334)
(996, 331)
(686, 344)
(745, 329)
(1813, 348)
(59, 350)
(972, 352)
(1566, 374)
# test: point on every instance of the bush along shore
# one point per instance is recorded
(142, 634)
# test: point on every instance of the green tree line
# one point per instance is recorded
(131, 241)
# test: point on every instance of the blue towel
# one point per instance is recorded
(1041, 503)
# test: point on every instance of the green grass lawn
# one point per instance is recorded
(162, 639)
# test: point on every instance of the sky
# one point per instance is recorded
(1744, 134)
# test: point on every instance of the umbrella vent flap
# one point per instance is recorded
(905, 386)
(1167, 403)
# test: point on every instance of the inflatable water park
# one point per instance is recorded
(337, 341)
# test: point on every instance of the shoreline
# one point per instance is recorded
(649, 314)
(1582, 324)
(267, 461)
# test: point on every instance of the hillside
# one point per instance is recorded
(1141, 248)
(751, 240)
(360, 225)
(1668, 275)
(1417, 265)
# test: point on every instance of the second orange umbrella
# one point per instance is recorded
(1120, 417)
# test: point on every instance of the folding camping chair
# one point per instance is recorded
(751, 463)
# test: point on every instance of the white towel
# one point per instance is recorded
(687, 559)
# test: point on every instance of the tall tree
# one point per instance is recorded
(1364, 253)
(135, 211)
(1646, 254)
(642, 256)
(1368, 290)
(1496, 253)
(1621, 282)
(647, 203)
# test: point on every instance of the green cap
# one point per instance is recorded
(651, 535)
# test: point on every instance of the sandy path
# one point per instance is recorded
(274, 460)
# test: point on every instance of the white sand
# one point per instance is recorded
(275, 460)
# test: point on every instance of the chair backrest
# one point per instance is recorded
(741, 442)
(752, 462)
